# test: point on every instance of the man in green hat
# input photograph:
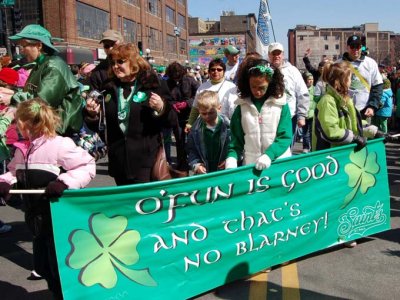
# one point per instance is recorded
(50, 79)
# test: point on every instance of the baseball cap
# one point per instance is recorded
(231, 50)
(111, 35)
(275, 46)
(354, 40)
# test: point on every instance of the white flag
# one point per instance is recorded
(262, 40)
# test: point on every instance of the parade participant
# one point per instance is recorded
(209, 137)
(366, 81)
(232, 63)
(261, 124)
(135, 116)
(50, 79)
(8, 79)
(99, 76)
(307, 128)
(337, 121)
(296, 90)
(382, 115)
(316, 73)
(227, 91)
(37, 164)
(180, 86)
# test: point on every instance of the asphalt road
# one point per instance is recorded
(369, 271)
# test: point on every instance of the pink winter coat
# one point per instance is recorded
(49, 154)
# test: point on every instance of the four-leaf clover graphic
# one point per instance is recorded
(108, 246)
(361, 172)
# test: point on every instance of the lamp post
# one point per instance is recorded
(148, 57)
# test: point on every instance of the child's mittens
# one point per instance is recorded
(231, 163)
(55, 189)
(263, 162)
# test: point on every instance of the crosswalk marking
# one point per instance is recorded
(290, 282)
(258, 287)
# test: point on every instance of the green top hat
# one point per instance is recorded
(35, 32)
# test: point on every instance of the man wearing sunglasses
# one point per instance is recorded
(366, 82)
(99, 76)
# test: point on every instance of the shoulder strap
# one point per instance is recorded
(358, 74)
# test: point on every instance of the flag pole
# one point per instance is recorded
(270, 19)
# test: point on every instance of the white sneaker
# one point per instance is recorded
(5, 228)
(350, 244)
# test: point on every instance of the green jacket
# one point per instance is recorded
(52, 81)
(336, 121)
(4, 151)
(313, 103)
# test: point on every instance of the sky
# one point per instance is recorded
(286, 14)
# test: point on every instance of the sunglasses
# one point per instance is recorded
(118, 62)
(216, 69)
(108, 45)
(355, 47)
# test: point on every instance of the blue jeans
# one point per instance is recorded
(307, 134)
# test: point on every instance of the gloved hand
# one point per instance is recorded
(4, 193)
(4, 189)
(360, 141)
(230, 163)
(55, 189)
(387, 137)
(178, 106)
(263, 162)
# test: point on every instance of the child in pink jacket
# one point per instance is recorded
(45, 161)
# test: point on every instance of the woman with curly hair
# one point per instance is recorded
(136, 109)
(261, 124)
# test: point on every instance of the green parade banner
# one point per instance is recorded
(177, 239)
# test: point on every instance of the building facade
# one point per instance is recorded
(158, 25)
(332, 43)
(208, 39)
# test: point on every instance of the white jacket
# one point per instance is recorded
(259, 134)
(296, 90)
(227, 92)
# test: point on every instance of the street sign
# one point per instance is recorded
(7, 2)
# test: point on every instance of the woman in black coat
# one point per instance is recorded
(136, 109)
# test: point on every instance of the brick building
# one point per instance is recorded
(331, 43)
(208, 38)
(158, 25)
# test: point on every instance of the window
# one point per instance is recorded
(133, 2)
(325, 37)
(182, 46)
(326, 47)
(337, 47)
(181, 21)
(171, 44)
(169, 14)
(91, 22)
(301, 38)
(129, 31)
(154, 7)
(181, 2)
(155, 39)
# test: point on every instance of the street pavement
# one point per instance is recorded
(369, 271)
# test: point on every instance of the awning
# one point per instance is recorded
(76, 55)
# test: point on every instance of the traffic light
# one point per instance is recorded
(17, 19)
